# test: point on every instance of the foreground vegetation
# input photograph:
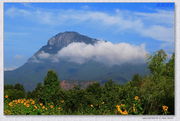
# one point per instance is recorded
(152, 94)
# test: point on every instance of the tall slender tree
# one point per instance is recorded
(51, 87)
(157, 64)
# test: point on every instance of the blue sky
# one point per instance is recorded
(28, 26)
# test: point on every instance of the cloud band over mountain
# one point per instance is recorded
(105, 52)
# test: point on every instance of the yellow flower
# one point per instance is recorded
(120, 110)
(41, 104)
(117, 106)
(35, 107)
(43, 107)
(59, 108)
(10, 104)
(165, 108)
(124, 112)
(136, 98)
(27, 105)
(134, 109)
(33, 102)
(22, 101)
(91, 105)
(19, 101)
(6, 96)
(27, 101)
(51, 106)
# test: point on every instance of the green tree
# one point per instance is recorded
(51, 87)
(94, 89)
(156, 64)
(37, 93)
(19, 87)
(170, 68)
(136, 80)
(110, 94)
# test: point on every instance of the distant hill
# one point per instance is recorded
(35, 69)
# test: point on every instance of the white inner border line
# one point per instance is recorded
(84, 117)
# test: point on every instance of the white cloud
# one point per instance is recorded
(156, 25)
(158, 33)
(43, 17)
(105, 52)
(13, 12)
(10, 69)
(43, 55)
(158, 17)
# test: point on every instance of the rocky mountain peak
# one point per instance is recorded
(65, 38)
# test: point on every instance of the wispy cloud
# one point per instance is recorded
(158, 17)
(158, 32)
(10, 69)
(157, 25)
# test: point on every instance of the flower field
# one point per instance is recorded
(31, 107)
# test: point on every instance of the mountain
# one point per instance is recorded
(35, 69)
(61, 40)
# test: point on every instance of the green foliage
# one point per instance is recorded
(19, 87)
(36, 93)
(48, 91)
(170, 68)
(75, 100)
(157, 65)
(14, 91)
(136, 80)
(137, 106)
(50, 88)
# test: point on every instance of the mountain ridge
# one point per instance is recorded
(33, 72)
